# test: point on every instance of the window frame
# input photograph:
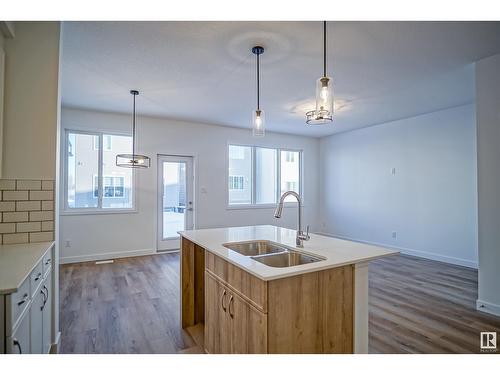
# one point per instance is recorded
(244, 206)
(65, 209)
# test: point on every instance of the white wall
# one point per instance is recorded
(102, 236)
(31, 110)
(31, 101)
(488, 169)
(430, 201)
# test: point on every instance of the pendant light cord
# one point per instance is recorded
(133, 131)
(324, 48)
(258, 82)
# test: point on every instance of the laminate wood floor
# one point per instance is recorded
(132, 306)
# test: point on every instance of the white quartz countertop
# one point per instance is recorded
(17, 262)
(337, 252)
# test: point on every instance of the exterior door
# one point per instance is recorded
(175, 199)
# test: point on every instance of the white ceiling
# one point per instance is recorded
(205, 71)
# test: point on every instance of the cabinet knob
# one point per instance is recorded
(38, 276)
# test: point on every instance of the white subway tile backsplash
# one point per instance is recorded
(14, 217)
(7, 184)
(47, 226)
(15, 238)
(7, 206)
(41, 237)
(47, 205)
(28, 227)
(15, 195)
(8, 228)
(48, 185)
(41, 215)
(45, 195)
(28, 206)
(26, 211)
(28, 185)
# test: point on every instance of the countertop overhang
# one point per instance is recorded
(337, 252)
(17, 261)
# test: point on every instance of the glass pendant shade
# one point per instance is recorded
(324, 103)
(133, 161)
(258, 129)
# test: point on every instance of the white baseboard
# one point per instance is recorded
(417, 253)
(488, 307)
(104, 256)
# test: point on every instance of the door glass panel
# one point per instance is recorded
(174, 198)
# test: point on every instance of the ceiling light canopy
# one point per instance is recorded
(258, 129)
(133, 160)
(323, 113)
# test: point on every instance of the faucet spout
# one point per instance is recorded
(301, 237)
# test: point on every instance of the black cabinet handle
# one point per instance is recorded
(44, 299)
(38, 276)
(47, 261)
(25, 299)
(16, 343)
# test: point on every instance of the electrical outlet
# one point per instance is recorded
(393, 171)
(394, 234)
(68, 243)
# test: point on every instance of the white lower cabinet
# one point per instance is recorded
(19, 342)
(47, 314)
(28, 321)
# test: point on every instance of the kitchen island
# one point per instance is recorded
(251, 290)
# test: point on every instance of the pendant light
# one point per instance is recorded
(258, 116)
(133, 160)
(323, 113)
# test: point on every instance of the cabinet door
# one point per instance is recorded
(19, 342)
(217, 336)
(47, 315)
(248, 327)
(36, 320)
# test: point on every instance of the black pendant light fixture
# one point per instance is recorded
(258, 129)
(323, 114)
(133, 160)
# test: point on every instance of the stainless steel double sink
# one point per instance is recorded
(272, 254)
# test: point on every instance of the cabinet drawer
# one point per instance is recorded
(47, 260)
(16, 303)
(19, 342)
(248, 285)
(36, 277)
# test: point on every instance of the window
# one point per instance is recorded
(106, 139)
(113, 187)
(240, 167)
(236, 183)
(93, 181)
(290, 173)
(259, 175)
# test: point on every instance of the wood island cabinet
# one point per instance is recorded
(307, 313)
